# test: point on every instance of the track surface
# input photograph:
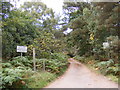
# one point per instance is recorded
(79, 76)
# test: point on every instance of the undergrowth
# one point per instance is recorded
(18, 73)
(40, 79)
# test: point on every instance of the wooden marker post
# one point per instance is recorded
(34, 59)
(21, 54)
(43, 65)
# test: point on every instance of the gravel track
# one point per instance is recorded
(79, 76)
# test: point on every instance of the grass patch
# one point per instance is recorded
(40, 79)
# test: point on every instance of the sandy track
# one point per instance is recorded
(79, 76)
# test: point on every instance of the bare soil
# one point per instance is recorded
(79, 76)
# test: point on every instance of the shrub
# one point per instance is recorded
(108, 67)
(20, 69)
(12, 75)
(57, 64)
(59, 56)
(21, 61)
(14, 70)
(6, 65)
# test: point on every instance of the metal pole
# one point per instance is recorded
(34, 59)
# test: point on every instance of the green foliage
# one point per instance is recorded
(46, 44)
(20, 30)
(32, 25)
(106, 63)
(40, 79)
(11, 75)
(14, 70)
(21, 61)
(113, 70)
(23, 26)
(59, 56)
(108, 67)
(91, 26)
(113, 49)
(6, 65)
(5, 7)
(56, 64)
(19, 69)
(44, 16)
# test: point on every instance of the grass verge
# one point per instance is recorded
(40, 79)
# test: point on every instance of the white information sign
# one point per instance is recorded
(22, 49)
(106, 45)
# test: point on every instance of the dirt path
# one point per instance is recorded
(79, 76)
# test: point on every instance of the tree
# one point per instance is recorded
(79, 37)
(18, 29)
(5, 8)
(44, 16)
(91, 25)
(30, 25)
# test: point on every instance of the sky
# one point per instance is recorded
(68, 31)
(56, 5)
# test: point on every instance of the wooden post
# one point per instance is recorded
(34, 59)
(21, 54)
(43, 65)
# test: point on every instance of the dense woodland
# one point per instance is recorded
(36, 26)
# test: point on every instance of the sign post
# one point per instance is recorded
(106, 46)
(22, 49)
(34, 59)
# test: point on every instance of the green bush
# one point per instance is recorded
(6, 65)
(106, 63)
(59, 56)
(14, 70)
(11, 75)
(54, 63)
(21, 61)
(113, 70)
(39, 63)
(44, 55)
(108, 67)
(20, 68)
